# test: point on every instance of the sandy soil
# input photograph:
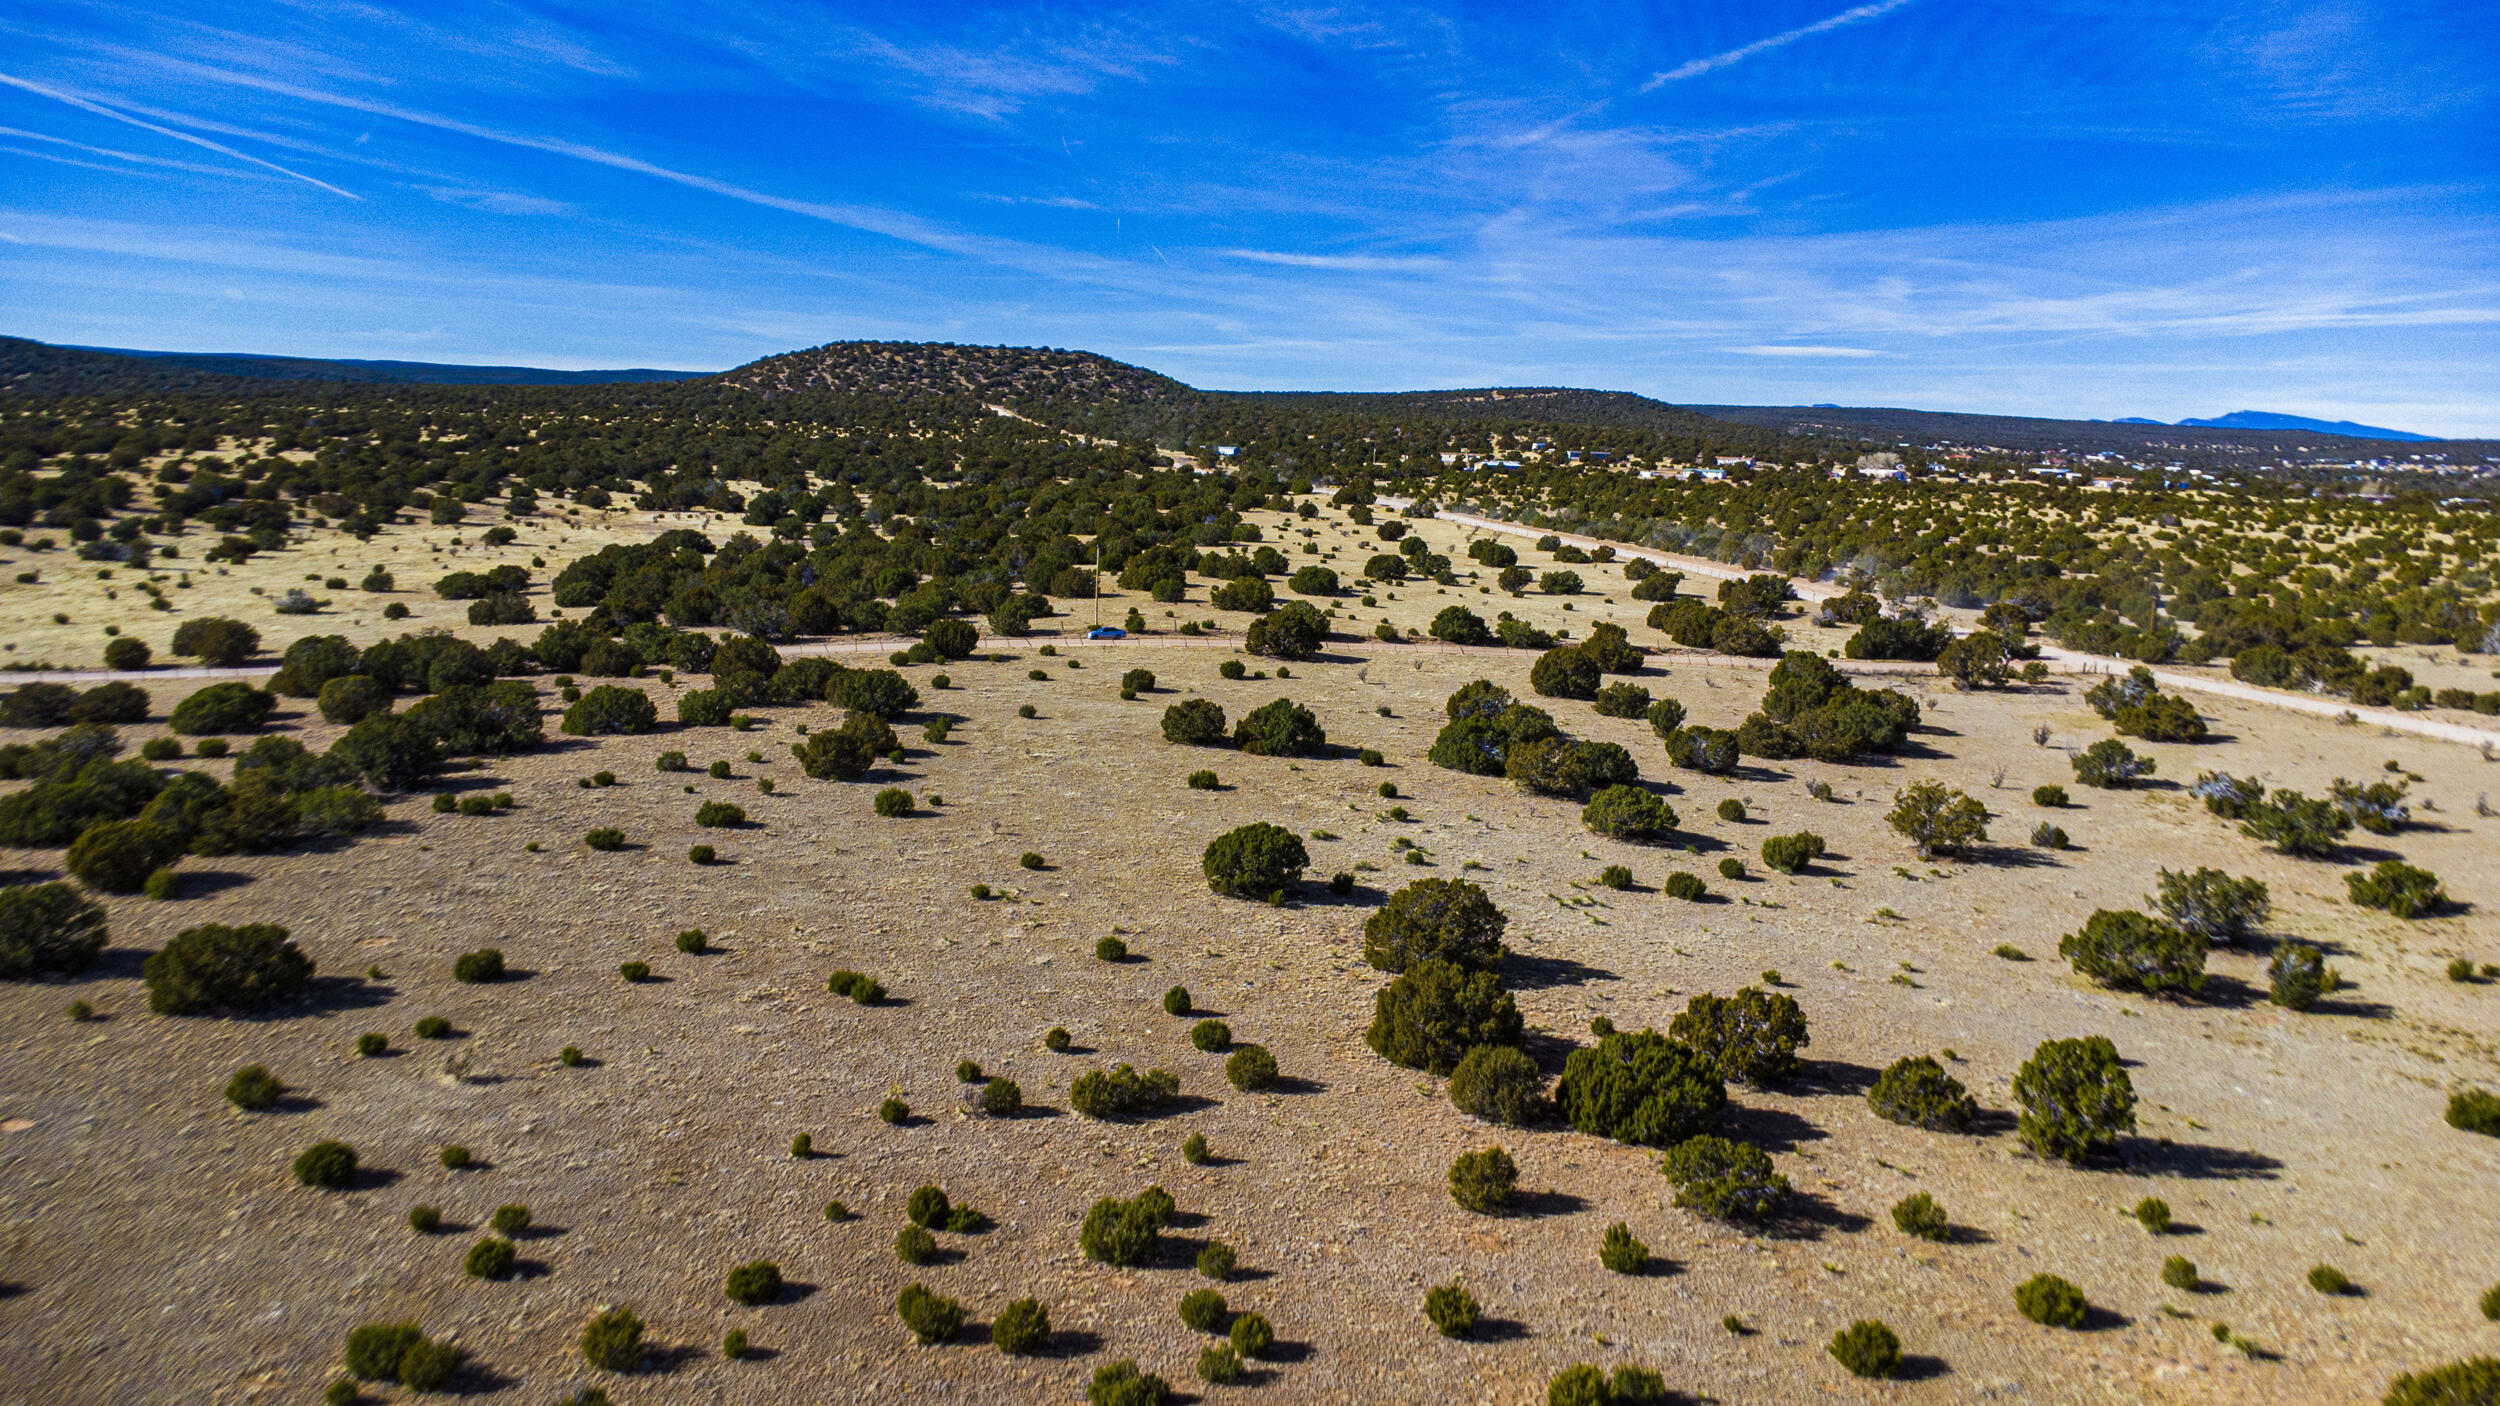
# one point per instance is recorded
(158, 1251)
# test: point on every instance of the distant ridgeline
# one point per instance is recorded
(889, 485)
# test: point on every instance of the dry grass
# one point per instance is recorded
(161, 1253)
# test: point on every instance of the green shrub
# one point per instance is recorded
(2327, 1279)
(1176, 1001)
(758, 1282)
(1868, 1349)
(1483, 1181)
(1499, 1084)
(1557, 766)
(510, 1219)
(2153, 1213)
(570, 1056)
(701, 854)
(1203, 1310)
(1621, 1252)
(1752, 1037)
(1110, 949)
(1058, 1040)
(1685, 886)
(1708, 750)
(48, 928)
(1123, 1233)
(2111, 765)
(1121, 1384)
(1622, 700)
(1434, 1012)
(931, 1319)
(213, 965)
(2179, 1272)
(1030, 860)
(330, 1165)
(1204, 781)
(1021, 1328)
(2051, 797)
(1211, 1036)
(375, 1350)
(1723, 1180)
(2397, 887)
(373, 1045)
(479, 967)
(613, 1341)
(222, 708)
(719, 815)
(2297, 975)
(894, 1112)
(1938, 820)
(2047, 1299)
(1448, 920)
(254, 1089)
(634, 971)
(1194, 722)
(928, 1207)
(1215, 1259)
(913, 1244)
(892, 802)
(1451, 1309)
(1564, 673)
(2472, 1382)
(117, 856)
(1002, 1098)
(1257, 860)
(490, 1258)
(1219, 1365)
(1252, 1336)
(1916, 1091)
(1282, 728)
(2296, 825)
(610, 708)
(1640, 1088)
(1615, 876)
(1790, 854)
(2076, 1098)
(1121, 1091)
(1918, 1214)
(1251, 1068)
(1195, 1152)
(2132, 952)
(2475, 1111)
(1627, 813)
(2490, 1303)
(2213, 905)
(455, 1158)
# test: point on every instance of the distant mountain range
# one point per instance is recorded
(426, 373)
(1113, 399)
(2269, 420)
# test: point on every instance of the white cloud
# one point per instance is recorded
(1775, 350)
(1694, 68)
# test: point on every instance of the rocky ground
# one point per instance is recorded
(157, 1250)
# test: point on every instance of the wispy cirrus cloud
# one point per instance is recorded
(101, 110)
(1780, 350)
(1342, 263)
(1694, 68)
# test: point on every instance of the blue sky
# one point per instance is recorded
(2070, 207)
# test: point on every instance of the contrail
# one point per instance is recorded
(101, 110)
(1692, 68)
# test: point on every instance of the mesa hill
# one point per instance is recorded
(1016, 376)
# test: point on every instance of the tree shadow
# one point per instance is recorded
(475, 1378)
(1544, 1205)
(1548, 1050)
(1771, 1129)
(1808, 1215)
(1361, 895)
(2097, 1319)
(2010, 857)
(1990, 1122)
(323, 995)
(207, 883)
(1919, 1367)
(2357, 1010)
(1527, 973)
(2197, 1161)
(1291, 1084)
(1834, 1076)
(374, 1179)
(1497, 1330)
(1068, 1343)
